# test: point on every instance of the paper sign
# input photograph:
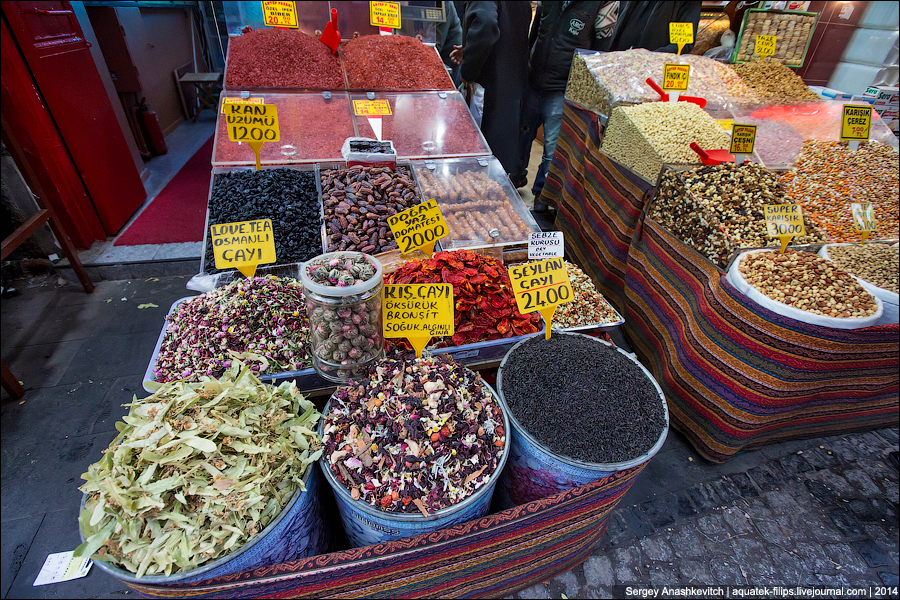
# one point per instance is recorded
(252, 123)
(784, 221)
(725, 124)
(418, 312)
(62, 567)
(681, 34)
(243, 245)
(743, 138)
(241, 101)
(384, 14)
(856, 122)
(541, 287)
(863, 219)
(279, 14)
(418, 227)
(676, 77)
(545, 244)
(371, 108)
(765, 45)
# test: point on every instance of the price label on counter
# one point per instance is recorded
(541, 286)
(280, 14)
(384, 14)
(228, 101)
(784, 221)
(743, 138)
(418, 227)
(418, 312)
(681, 34)
(371, 108)
(243, 245)
(856, 123)
(863, 219)
(765, 45)
(545, 244)
(252, 123)
(676, 77)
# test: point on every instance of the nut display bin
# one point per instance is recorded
(270, 89)
(793, 30)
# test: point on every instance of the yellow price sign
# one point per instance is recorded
(280, 14)
(725, 124)
(243, 245)
(541, 286)
(765, 45)
(743, 138)
(418, 227)
(784, 221)
(384, 14)
(418, 312)
(676, 77)
(681, 34)
(371, 108)
(252, 123)
(241, 101)
(863, 219)
(856, 122)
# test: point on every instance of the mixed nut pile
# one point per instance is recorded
(588, 307)
(877, 264)
(769, 78)
(807, 282)
(419, 435)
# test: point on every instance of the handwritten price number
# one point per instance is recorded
(765, 45)
(419, 239)
(539, 299)
(788, 228)
(863, 216)
(242, 133)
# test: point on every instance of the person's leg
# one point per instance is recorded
(530, 121)
(551, 114)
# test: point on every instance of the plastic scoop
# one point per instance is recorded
(331, 37)
(712, 157)
(664, 96)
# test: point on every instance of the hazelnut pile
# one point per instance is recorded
(807, 282)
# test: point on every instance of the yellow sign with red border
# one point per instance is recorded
(371, 108)
(676, 77)
(743, 139)
(384, 14)
(280, 14)
(856, 123)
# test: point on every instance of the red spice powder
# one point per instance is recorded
(281, 58)
(428, 125)
(393, 62)
(310, 128)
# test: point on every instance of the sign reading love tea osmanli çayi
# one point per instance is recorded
(418, 312)
(243, 245)
(541, 286)
(418, 227)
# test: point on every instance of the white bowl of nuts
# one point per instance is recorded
(875, 265)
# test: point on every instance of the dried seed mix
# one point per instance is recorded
(281, 58)
(261, 320)
(807, 282)
(582, 399)
(419, 435)
(197, 470)
(588, 307)
(393, 62)
(877, 264)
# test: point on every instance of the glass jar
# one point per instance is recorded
(345, 331)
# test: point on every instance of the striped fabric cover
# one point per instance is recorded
(493, 556)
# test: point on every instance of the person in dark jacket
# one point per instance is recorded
(646, 25)
(449, 35)
(494, 54)
(559, 28)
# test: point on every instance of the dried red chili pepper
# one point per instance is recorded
(281, 58)
(393, 62)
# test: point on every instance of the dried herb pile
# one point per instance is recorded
(419, 436)
(196, 471)
(588, 307)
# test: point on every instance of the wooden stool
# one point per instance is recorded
(206, 85)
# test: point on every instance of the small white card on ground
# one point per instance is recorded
(62, 567)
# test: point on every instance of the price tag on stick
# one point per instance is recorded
(418, 312)
(384, 14)
(743, 139)
(243, 245)
(681, 34)
(863, 219)
(280, 14)
(765, 45)
(856, 124)
(252, 123)
(676, 77)
(418, 227)
(784, 221)
(541, 286)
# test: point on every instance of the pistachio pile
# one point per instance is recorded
(877, 264)
(807, 282)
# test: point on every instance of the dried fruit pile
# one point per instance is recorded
(769, 78)
(589, 307)
(262, 321)
(281, 58)
(419, 436)
(485, 303)
(197, 470)
(393, 62)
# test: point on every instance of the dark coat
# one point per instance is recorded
(646, 25)
(495, 54)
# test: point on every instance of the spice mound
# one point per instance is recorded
(877, 264)
(262, 321)
(342, 270)
(807, 282)
(419, 436)
(582, 399)
(485, 304)
(281, 58)
(589, 307)
(769, 78)
(393, 62)
(196, 471)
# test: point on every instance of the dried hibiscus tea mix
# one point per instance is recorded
(419, 436)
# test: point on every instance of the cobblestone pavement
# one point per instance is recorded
(823, 513)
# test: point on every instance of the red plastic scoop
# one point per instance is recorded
(712, 157)
(331, 37)
(664, 96)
